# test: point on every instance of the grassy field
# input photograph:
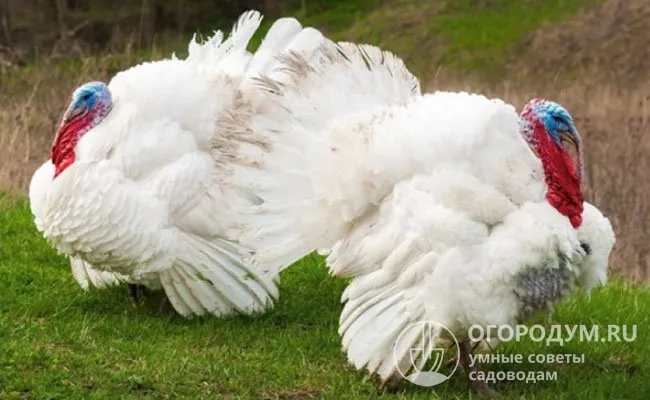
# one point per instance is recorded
(465, 35)
(57, 342)
(61, 343)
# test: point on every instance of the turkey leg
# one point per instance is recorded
(479, 386)
(454, 360)
(136, 294)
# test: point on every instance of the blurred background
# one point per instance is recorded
(590, 55)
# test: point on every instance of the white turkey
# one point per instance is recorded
(130, 192)
(443, 207)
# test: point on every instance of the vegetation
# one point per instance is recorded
(464, 34)
(59, 342)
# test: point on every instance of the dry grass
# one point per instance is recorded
(612, 122)
(31, 104)
(609, 40)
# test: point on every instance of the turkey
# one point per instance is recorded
(130, 191)
(444, 207)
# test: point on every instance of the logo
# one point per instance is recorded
(426, 354)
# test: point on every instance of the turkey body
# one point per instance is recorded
(434, 205)
(134, 195)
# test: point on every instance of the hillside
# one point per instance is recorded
(608, 42)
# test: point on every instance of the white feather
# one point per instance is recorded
(597, 232)
(305, 197)
(142, 201)
(433, 204)
(84, 273)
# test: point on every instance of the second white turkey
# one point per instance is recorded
(443, 207)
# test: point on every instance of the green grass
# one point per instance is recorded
(460, 35)
(478, 36)
(58, 342)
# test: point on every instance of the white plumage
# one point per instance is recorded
(433, 204)
(141, 201)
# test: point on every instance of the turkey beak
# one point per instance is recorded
(567, 136)
(73, 112)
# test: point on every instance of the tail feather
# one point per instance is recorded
(211, 277)
(244, 29)
(307, 45)
(280, 33)
(283, 149)
(215, 48)
(285, 35)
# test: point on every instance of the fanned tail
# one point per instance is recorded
(286, 150)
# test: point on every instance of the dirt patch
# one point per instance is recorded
(293, 394)
(609, 41)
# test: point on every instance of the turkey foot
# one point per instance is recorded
(136, 294)
(480, 387)
(165, 306)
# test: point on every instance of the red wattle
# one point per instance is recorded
(563, 182)
(62, 153)
(576, 220)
